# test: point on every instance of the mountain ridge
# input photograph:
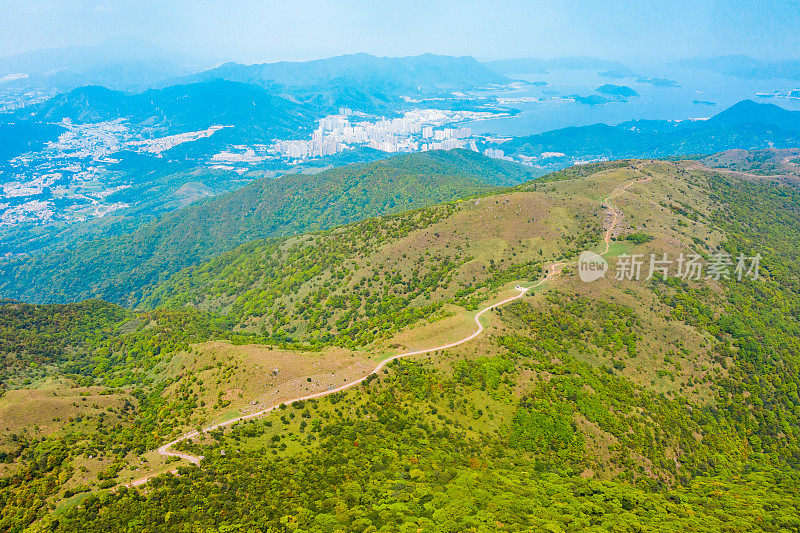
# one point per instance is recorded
(360, 80)
(181, 108)
(116, 268)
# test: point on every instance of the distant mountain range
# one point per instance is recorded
(732, 65)
(118, 268)
(528, 65)
(414, 73)
(182, 108)
(122, 64)
(93, 80)
(746, 125)
(604, 67)
(744, 67)
(127, 64)
(360, 80)
(356, 80)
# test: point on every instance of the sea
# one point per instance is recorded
(695, 95)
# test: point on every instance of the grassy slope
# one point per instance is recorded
(118, 268)
(357, 283)
(632, 384)
(364, 284)
(763, 162)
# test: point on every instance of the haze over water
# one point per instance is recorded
(653, 102)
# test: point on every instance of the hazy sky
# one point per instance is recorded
(269, 30)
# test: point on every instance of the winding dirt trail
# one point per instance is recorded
(553, 270)
(616, 212)
(166, 450)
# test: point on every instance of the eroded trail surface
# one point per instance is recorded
(614, 212)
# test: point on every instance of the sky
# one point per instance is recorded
(269, 30)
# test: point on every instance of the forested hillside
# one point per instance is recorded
(254, 113)
(652, 404)
(360, 80)
(117, 269)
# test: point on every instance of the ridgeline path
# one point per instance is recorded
(615, 212)
(554, 269)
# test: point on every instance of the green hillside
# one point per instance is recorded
(118, 268)
(651, 404)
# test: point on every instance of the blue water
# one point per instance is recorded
(654, 102)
